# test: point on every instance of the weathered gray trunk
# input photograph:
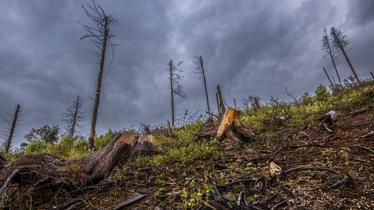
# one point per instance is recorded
(76, 109)
(12, 129)
(98, 85)
(328, 77)
(205, 84)
(171, 94)
(220, 102)
(350, 64)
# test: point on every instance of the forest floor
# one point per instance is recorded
(320, 170)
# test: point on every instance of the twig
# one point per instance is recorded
(278, 205)
(8, 180)
(130, 201)
(214, 115)
(308, 168)
(209, 206)
(362, 147)
(340, 183)
(371, 133)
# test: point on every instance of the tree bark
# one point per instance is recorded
(12, 129)
(98, 85)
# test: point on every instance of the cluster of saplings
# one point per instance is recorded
(100, 34)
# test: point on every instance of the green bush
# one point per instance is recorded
(102, 140)
(36, 147)
(321, 93)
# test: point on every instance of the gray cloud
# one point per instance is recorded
(249, 47)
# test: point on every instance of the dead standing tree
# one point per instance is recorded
(199, 62)
(73, 116)
(328, 77)
(175, 77)
(12, 128)
(340, 42)
(220, 102)
(330, 50)
(101, 36)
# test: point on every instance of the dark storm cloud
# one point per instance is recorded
(249, 47)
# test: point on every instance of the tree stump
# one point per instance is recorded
(39, 174)
(232, 128)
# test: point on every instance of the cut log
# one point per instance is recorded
(232, 128)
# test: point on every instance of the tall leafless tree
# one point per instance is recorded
(330, 51)
(73, 116)
(340, 42)
(200, 70)
(176, 88)
(98, 33)
(328, 77)
(12, 128)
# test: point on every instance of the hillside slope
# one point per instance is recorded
(297, 164)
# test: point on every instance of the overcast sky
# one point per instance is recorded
(249, 47)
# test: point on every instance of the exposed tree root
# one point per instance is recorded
(42, 173)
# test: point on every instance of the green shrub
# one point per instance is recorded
(63, 147)
(36, 147)
(321, 93)
(102, 140)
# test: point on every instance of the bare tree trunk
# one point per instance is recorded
(77, 101)
(372, 75)
(11, 133)
(218, 109)
(350, 64)
(234, 102)
(98, 85)
(221, 104)
(328, 77)
(205, 84)
(332, 58)
(171, 94)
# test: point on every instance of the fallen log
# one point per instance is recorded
(39, 173)
(232, 128)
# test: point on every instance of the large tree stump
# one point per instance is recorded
(39, 174)
(232, 128)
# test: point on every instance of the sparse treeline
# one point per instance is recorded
(333, 43)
